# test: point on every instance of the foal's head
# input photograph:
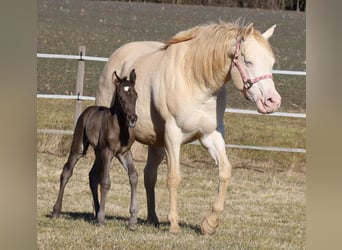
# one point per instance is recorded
(126, 96)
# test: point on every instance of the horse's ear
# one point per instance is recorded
(248, 31)
(115, 78)
(132, 76)
(268, 33)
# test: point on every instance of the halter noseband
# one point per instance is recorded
(247, 82)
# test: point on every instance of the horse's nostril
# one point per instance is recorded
(273, 102)
(132, 117)
(270, 100)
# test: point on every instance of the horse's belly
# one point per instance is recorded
(149, 136)
(149, 129)
(198, 124)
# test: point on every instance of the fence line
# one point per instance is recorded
(105, 59)
(264, 148)
(227, 110)
(79, 97)
(73, 57)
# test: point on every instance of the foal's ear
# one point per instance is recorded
(268, 33)
(118, 79)
(132, 76)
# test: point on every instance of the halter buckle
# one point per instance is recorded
(248, 83)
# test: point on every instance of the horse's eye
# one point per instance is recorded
(248, 63)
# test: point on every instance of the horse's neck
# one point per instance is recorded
(126, 134)
(117, 111)
(211, 73)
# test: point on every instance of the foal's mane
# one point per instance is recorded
(210, 48)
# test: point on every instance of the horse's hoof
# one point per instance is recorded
(100, 223)
(132, 223)
(56, 214)
(175, 229)
(132, 226)
(56, 211)
(206, 228)
(153, 221)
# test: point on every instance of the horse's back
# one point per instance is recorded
(121, 61)
(90, 124)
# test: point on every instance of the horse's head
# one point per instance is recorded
(126, 96)
(252, 69)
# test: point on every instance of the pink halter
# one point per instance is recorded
(247, 82)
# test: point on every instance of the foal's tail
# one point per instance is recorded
(80, 142)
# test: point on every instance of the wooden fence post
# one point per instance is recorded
(79, 82)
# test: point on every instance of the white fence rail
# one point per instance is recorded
(105, 59)
(82, 57)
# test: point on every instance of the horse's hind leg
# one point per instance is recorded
(79, 147)
(64, 178)
(105, 183)
(126, 160)
(94, 182)
(155, 156)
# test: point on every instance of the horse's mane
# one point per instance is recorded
(209, 51)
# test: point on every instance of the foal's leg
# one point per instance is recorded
(106, 159)
(94, 179)
(155, 156)
(78, 148)
(126, 160)
(64, 178)
(216, 147)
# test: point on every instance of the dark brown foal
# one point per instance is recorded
(110, 132)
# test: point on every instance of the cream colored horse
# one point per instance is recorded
(182, 97)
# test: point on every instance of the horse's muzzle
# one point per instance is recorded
(132, 120)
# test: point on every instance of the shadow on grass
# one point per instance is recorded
(89, 217)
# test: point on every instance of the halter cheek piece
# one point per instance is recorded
(247, 82)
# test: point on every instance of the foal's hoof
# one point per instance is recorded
(132, 226)
(56, 214)
(153, 221)
(206, 228)
(56, 211)
(100, 223)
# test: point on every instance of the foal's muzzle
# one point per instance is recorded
(132, 120)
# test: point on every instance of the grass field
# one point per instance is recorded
(103, 26)
(262, 211)
(265, 207)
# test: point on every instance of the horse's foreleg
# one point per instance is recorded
(154, 158)
(126, 160)
(64, 178)
(105, 183)
(173, 139)
(216, 147)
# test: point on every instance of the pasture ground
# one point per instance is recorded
(265, 207)
(263, 210)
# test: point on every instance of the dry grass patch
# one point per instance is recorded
(263, 210)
